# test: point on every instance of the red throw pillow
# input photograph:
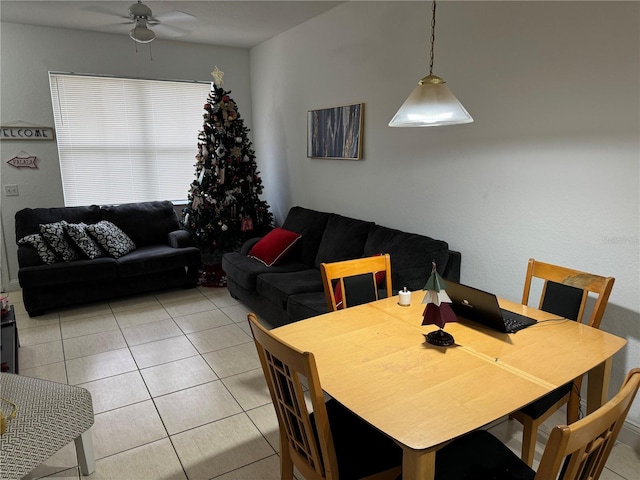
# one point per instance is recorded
(271, 248)
(337, 292)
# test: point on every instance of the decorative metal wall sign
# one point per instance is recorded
(17, 132)
(335, 132)
(23, 160)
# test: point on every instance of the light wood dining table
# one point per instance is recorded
(373, 359)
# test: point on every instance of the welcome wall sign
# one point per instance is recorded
(19, 132)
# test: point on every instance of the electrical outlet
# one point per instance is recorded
(11, 190)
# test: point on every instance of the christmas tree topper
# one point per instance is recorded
(218, 76)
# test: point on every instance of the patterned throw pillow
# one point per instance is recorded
(115, 242)
(36, 241)
(87, 245)
(53, 233)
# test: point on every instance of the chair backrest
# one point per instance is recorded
(361, 274)
(305, 439)
(557, 289)
(587, 443)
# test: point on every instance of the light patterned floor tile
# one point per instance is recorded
(220, 337)
(163, 351)
(41, 334)
(151, 332)
(55, 372)
(177, 375)
(265, 469)
(231, 443)
(77, 347)
(196, 406)
(266, 420)
(30, 356)
(249, 389)
(157, 460)
(196, 322)
(175, 295)
(25, 321)
(101, 365)
(188, 306)
(220, 297)
(128, 427)
(233, 360)
(89, 325)
(133, 303)
(117, 391)
(139, 316)
(624, 461)
(237, 313)
(84, 311)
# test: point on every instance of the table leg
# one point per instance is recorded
(598, 385)
(418, 464)
(84, 452)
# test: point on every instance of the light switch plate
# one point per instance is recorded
(11, 190)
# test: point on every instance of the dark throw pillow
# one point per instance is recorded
(53, 233)
(273, 247)
(113, 240)
(87, 245)
(36, 241)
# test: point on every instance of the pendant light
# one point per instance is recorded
(431, 103)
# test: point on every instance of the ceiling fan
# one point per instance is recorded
(141, 17)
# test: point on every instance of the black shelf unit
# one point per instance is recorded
(9, 342)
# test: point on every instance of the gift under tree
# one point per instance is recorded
(224, 208)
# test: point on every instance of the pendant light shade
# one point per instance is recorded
(431, 103)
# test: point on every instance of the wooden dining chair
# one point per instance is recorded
(330, 442)
(580, 450)
(564, 293)
(354, 282)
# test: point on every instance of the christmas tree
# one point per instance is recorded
(224, 208)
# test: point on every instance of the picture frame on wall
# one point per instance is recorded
(335, 133)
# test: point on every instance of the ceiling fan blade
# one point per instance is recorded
(174, 17)
(106, 11)
(170, 31)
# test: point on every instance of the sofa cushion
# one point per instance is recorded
(113, 240)
(156, 258)
(28, 220)
(306, 305)
(146, 223)
(82, 241)
(272, 248)
(54, 235)
(310, 224)
(411, 255)
(36, 241)
(343, 239)
(277, 287)
(244, 270)
(98, 270)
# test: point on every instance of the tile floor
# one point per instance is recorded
(177, 388)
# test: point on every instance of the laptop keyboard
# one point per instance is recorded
(515, 322)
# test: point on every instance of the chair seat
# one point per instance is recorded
(480, 456)
(536, 409)
(361, 450)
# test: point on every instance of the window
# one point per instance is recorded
(126, 140)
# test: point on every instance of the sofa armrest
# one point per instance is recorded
(180, 239)
(28, 257)
(248, 245)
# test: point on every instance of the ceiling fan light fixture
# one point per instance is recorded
(141, 34)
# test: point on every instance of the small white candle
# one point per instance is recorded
(404, 297)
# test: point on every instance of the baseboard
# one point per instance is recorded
(630, 435)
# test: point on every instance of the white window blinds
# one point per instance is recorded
(126, 140)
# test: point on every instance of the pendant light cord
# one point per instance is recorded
(433, 34)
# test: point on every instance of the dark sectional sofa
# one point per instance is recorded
(163, 257)
(292, 289)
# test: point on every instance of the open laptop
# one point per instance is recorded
(482, 307)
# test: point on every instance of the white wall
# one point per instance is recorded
(28, 53)
(549, 169)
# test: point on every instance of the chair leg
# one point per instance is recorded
(529, 438)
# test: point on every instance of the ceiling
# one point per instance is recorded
(234, 23)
